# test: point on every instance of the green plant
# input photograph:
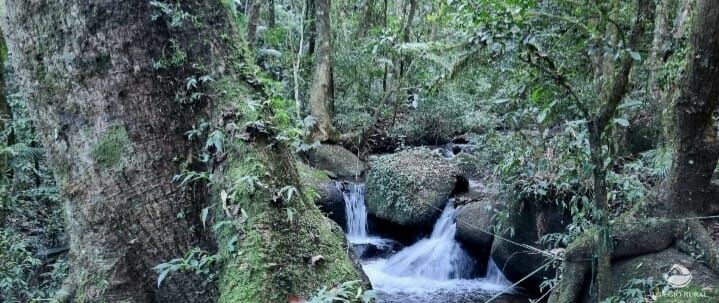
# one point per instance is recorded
(196, 261)
(172, 11)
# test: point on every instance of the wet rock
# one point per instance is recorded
(472, 220)
(329, 197)
(529, 220)
(411, 188)
(341, 162)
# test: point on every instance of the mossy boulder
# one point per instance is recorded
(470, 164)
(527, 221)
(328, 197)
(411, 188)
(336, 159)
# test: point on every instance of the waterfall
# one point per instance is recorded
(438, 257)
(435, 269)
(355, 210)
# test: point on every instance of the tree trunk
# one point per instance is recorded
(688, 189)
(311, 18)
(253, 18)
(368, 18)
(406, 34)
(4, 116)
(271, 12)
(102, 81)
(321, 89)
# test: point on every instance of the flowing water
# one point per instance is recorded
(434, 269)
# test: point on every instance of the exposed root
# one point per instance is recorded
(705, 243)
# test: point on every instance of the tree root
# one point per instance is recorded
(631, 240)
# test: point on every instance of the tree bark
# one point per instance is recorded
(253, 18)
(4, 116)
(321, 89)
(688, 189)
(368, 18)
(271, 12)
(102, 80)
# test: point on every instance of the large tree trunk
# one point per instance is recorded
(321, 89)
(688, 189)
(103, 81)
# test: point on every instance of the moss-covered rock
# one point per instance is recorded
(326, 194)
(337, 160)
(410, 188)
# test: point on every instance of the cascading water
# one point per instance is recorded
(434, 269)
(356, 214)
(355, 210)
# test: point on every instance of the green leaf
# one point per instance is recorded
(635, 55)
(621, 121)
(162, 277)
(205, 212)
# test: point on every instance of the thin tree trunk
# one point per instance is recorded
(271, 12)
(321, 89)
(4, 116)
(368, 18)
(311, 17)
(106, 113)
(253, 19)
(614, 91)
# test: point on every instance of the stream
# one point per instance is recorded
(434, 269)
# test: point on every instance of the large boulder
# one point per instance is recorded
(527, 221)
(337, 160)
(474, 221)
(410, 188)
(329, 198)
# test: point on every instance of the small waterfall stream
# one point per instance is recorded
(434, 269)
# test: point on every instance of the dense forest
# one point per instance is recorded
(446, 151)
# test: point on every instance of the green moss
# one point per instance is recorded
(408, 187)
(110, 149)
(274, 257)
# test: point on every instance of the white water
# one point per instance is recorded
(356, 215)
(434, 269)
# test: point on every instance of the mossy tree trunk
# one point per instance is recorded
(107, 84)
(321, 89)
